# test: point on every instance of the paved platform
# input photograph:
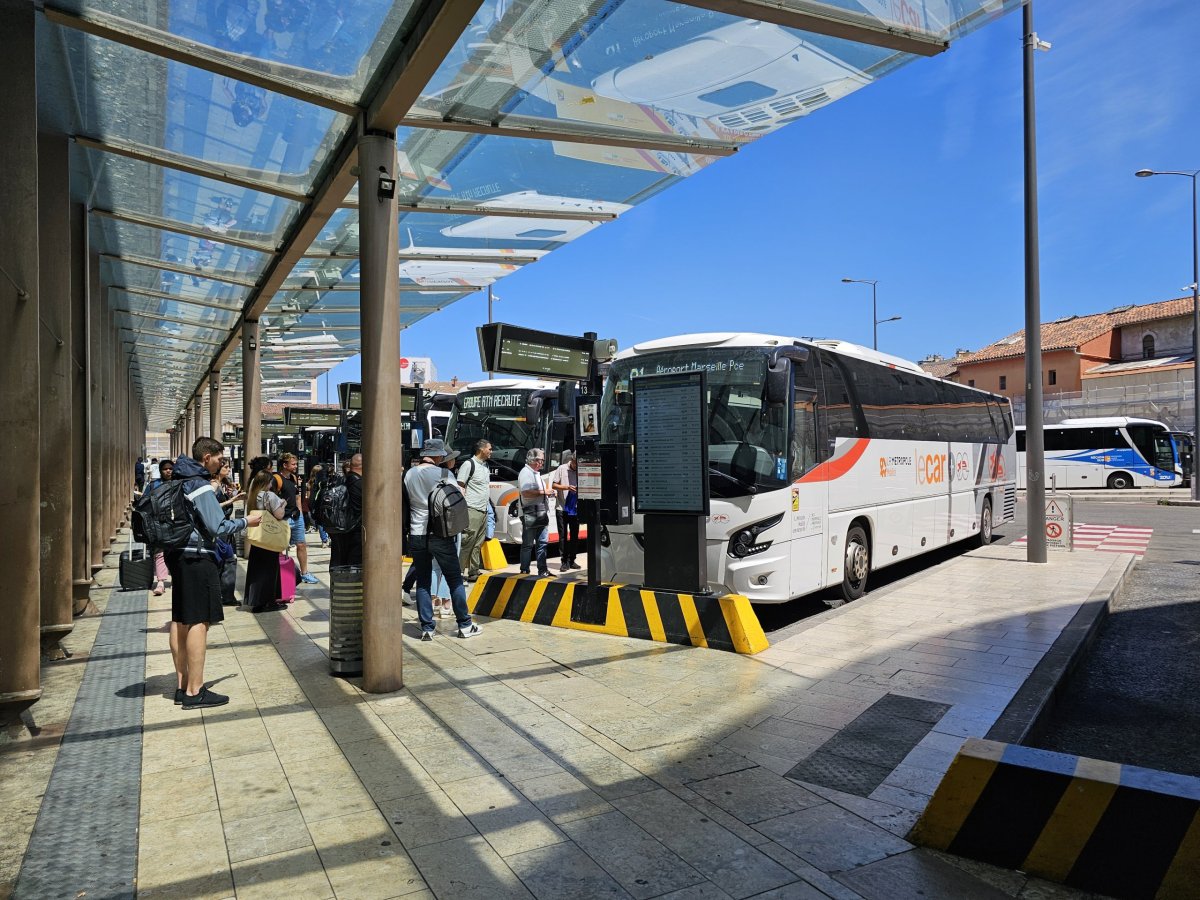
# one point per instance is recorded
(541, 762)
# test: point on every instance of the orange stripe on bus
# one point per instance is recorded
(839, 465)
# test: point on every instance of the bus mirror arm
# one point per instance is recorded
(779, 373)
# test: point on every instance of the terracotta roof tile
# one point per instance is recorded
(1069, 334)
(941, 369)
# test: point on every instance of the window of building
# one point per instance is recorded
(1148, 347)
(1053, 376)
(970, 382)
(1003, 382)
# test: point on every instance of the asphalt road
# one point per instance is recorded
(1136, 698)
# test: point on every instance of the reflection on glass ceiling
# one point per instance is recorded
(205, 130)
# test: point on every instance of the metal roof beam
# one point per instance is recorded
(232, 65)
(343, 288)
(168, 337)
(821, 18)
(450, 208)
(410, 255)
(161, 224)
(161, 295)
(191, 323)
(559, 130)
(180, 163)
(148, 262)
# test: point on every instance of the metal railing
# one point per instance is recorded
(1170, 403)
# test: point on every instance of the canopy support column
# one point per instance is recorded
(251, 399)
(383, 489)
(20, 685)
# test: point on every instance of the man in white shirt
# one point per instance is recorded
(535, 517)
(419, 482)
(475, 479)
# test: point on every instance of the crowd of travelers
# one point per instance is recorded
(185, 512)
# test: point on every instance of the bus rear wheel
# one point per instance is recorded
(1120, 481)
(856, 565)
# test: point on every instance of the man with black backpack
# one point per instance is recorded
(195, 576)
(341, 515)
(437, 509)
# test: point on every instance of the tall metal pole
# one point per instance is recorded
(383, 462)
(489, 289)
(1035, 447)
(874, 320)
(214, 404)
(1195, 335)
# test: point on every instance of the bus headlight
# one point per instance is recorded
(746, 543)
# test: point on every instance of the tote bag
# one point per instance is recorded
(273, 534)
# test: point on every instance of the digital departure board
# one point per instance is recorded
(269, 427)
(408, 400)
(670, 428)
(511, 350)
(300, 417)
(350, 394)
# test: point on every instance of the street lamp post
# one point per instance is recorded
(1146, 173)
(875, 320)
(491, 297)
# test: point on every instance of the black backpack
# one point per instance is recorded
(162, 517)
(448, 515)
(334, 508)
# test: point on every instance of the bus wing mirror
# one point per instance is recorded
(533, 410)
(779, 372)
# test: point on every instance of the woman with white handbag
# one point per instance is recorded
(263, 590)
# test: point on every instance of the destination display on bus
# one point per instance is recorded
(511, 350)
(312, 418)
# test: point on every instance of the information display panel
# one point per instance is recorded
(350, 394)
(408, 400)
(671, 443)
(300, 417)
(512, 350)
(268, 427)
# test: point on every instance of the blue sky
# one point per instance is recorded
(915, 181)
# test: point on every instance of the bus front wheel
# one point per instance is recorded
(857, 564)
(1119, 481)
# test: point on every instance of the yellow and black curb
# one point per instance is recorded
(1122, 831)
(718, 623)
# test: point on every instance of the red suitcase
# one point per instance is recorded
(287, 578)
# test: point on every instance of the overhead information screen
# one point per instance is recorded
(312, 418)
(671, 441)
(522, 351)
(408, 400)
(350, 394)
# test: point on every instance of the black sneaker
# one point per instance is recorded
(180, 693)
(575, 565)
(206, 699)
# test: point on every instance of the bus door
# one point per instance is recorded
(812, 443)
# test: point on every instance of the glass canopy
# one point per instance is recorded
(206, 134)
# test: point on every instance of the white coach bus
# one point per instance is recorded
(1116, 452)
(826, 461)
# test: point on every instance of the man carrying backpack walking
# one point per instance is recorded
(195, 576)
(475, 479)
(426, 543)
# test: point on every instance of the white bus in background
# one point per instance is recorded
(515, 415)
(827, 461)
(1115, 452)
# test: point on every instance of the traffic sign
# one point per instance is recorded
(1060, 522)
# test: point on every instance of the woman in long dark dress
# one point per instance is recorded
(263, 590)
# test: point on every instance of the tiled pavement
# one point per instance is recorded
(557, 764)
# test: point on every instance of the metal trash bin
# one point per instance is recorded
(345, 620)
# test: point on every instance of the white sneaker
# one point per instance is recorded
(470, 631)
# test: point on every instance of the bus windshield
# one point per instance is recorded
(499, 417)
(748, 438)
(1154, 443)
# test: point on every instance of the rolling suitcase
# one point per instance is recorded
(287, 578)
(136, 567)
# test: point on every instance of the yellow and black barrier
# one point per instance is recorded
(718, 623)
(1122, 831)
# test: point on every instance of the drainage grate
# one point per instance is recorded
(859, 757)
(85, 838)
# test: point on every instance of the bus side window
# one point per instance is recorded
(804, 432)
(840, 415)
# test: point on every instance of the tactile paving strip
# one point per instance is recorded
(85, 841)
(858, 758)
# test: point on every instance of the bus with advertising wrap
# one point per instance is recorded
(1115, 452)
(827, 461)
(515, 415)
